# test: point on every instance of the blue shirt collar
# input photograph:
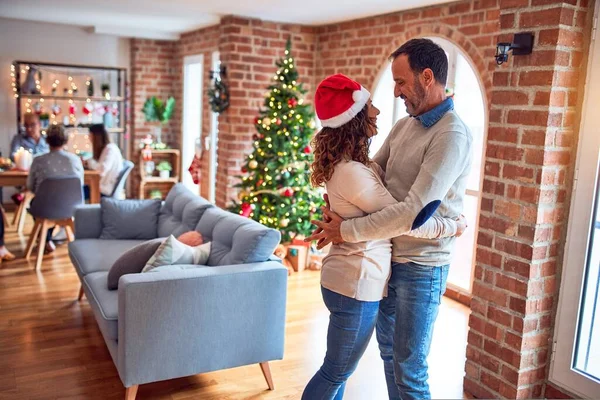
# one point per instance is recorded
(29, 143)
(431, 117)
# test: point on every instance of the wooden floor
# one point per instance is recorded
(51, 348)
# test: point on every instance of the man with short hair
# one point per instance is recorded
(32, 140)
(426, 159)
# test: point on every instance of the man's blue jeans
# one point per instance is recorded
(351, 326)
(405, 327)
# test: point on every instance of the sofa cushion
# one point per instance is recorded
(235, 239)
(191, 238)
(104, 303)
(92, 255)
(132, 261)
(173, 252)
(181, 211)
(129, 219)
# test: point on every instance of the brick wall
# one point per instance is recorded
(361, 48)
(204, 42)
(249, 49)
(531, 145)
(152, 74)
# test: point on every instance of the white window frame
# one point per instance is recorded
(578, 237)
(212, 141)
(190, 60)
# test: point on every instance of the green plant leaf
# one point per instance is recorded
(150, 110)
(157, 110)
(164, 166)
(168, 111)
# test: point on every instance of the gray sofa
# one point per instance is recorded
(181, 322)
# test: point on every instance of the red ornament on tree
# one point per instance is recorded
(288, 192)
(246, 210)
(260, 182)
(256, 121)
(307, 150)
(292, 102)
(244, 170)
(278, 122)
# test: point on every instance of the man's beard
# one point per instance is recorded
(417, 100)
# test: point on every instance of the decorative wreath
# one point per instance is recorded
(218, 93)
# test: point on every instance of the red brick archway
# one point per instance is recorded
(473, 53)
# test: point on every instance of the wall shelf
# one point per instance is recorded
(158, 179)
(67, 97)
(148, 183)
(67, 76)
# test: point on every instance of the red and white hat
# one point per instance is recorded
(339, 99)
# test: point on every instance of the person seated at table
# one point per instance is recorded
(32, 140)
(57, 163)
(5, 255)
(107, 160)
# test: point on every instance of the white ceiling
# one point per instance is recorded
(160, 19)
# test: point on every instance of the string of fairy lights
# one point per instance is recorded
(70, 95)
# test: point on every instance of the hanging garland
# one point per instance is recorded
(218, 93)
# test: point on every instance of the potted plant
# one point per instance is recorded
(44, 120)
(164, 168)
(105, 89)
(159, 111)
(156, 194)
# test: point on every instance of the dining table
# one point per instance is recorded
(15, 177)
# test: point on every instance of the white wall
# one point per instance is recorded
(43, 42)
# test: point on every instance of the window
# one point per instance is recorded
(576, 357)
(192, 115)
(469, 104)
(212, 141)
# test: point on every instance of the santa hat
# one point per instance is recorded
(339, 99)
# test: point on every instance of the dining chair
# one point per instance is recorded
(21, 211)
(54, 204)
(4, 217)
(122, 179)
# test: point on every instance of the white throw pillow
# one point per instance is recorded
(173, 252)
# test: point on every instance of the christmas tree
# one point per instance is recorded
(275, 187)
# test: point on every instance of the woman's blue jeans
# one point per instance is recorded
(351, 326)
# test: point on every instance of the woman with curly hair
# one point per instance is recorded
(354, 275)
